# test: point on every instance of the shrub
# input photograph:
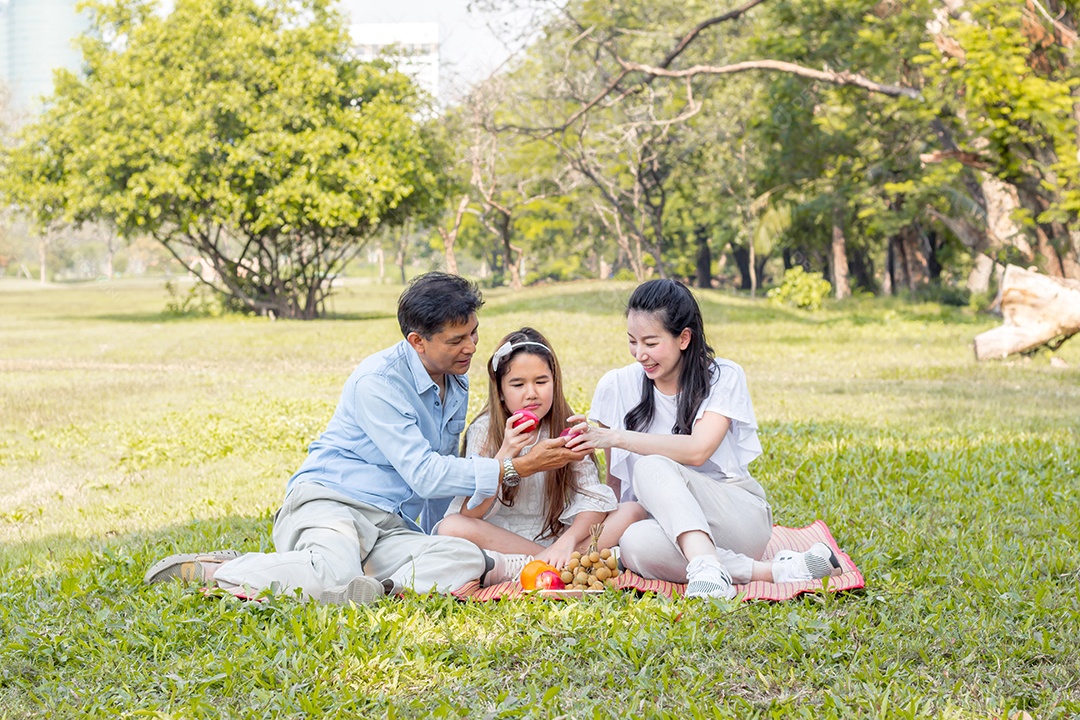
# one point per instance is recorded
(802, 289)
(944, 294)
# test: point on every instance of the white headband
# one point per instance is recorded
(509, 347)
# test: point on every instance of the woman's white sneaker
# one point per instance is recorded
(817, 562)
(706, 577)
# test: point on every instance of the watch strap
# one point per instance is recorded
(510, 476)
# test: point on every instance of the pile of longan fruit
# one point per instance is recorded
(592, 570)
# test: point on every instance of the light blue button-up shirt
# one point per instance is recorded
(393, 442)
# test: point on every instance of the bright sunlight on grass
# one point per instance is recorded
(128, 434)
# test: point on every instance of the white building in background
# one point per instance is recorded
(36, 38)
(413, 47)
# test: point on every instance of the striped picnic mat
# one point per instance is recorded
(782, 538)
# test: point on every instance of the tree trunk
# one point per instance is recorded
(515, 275)
(450, 236)
(1071, 259)
(511, 253)
(1002, 201)
(759, 270)
(704, 258)
(742, 261)
(838, 261)
(1037, 309)
(896, 266)
(979, 277)
(43, 253)
(400, 259)
(451, 259)
(887, 287)
(916, 267)
(110, 253)
(751, 262)
(931, 243)
(862, 270)
(1051, 261)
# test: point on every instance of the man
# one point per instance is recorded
(346, 530)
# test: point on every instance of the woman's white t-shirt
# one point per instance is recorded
(620, 390)
(526, 517)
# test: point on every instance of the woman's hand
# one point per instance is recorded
(516, 439)
(586, 437)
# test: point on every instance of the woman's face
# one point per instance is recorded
(658, 351)
(528, 385)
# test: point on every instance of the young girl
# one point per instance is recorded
(548, 515)
(678, 430)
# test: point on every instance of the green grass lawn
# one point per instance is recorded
(127, 434)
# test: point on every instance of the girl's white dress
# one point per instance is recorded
(526, 517)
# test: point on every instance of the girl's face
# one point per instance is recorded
(658, 351)
(528, 385)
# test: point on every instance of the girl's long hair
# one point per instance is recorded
(562, 485)
(672, 303)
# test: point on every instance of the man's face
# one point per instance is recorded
(450, 350)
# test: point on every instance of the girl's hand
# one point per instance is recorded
(586, 437)
(558, 554)
(516, 439)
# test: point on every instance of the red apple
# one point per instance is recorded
(549, 580)
(525, 416)
(570, 432)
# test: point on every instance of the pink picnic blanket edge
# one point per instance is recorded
(850, 578)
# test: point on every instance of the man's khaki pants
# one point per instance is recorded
(325, 539)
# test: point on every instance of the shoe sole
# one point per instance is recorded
(185, 566)
(361, 590)
(831, 559)
(711, 590)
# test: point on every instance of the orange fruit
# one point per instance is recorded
(530, 571)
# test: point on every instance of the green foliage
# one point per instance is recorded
(661, 164)
(239, 131)
(1018, 100)
(127, 435)
(198, 300)
(946, 295)
(806, 291)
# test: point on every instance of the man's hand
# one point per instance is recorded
(548, 455)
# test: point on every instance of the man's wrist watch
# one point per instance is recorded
(510, 477)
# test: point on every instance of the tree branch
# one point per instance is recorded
(702, 26)
(829, 76)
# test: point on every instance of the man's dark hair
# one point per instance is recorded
(434, 300)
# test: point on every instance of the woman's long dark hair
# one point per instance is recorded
(672, 303)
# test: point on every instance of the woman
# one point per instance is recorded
(678, 431)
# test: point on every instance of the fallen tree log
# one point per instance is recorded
(1038, 310)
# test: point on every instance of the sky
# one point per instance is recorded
(470, 49)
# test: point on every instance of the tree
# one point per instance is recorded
(1004, 76)
(510, 174)
(238, 133)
